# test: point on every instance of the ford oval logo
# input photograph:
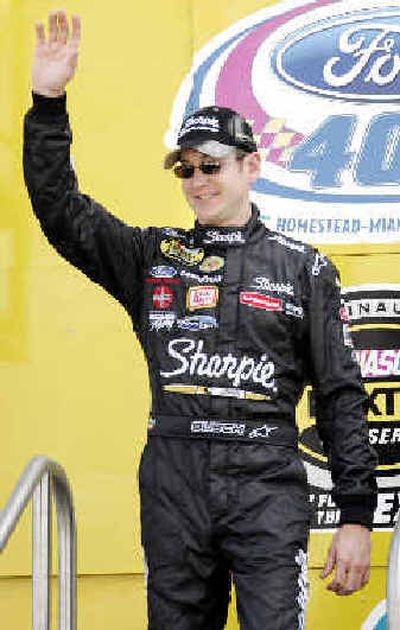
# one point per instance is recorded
(349, 59)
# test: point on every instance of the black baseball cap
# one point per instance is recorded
(215, 131)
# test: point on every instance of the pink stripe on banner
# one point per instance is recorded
(234, 83)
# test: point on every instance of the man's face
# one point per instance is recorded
(222, 198)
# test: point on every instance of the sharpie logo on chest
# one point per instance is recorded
(192, 361)
(215, 236)
(265, 284)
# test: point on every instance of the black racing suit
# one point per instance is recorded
(233, 323)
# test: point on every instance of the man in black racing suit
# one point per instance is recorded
(234, 320)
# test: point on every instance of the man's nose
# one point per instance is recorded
(198, 176)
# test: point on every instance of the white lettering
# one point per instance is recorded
(353, 42)
(265, 284)
(216, 366)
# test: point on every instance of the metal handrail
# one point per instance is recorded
(393, 581)
(38, 478)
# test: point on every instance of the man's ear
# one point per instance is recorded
(253, 164)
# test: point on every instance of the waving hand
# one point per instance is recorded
(56, 57)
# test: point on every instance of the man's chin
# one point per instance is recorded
(209, 217)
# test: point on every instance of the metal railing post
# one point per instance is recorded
(41, 554)
(38, 478)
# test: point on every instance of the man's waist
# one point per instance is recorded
(251, 430)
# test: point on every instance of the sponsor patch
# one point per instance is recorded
(212, 263)
(201, 279)
(177, 250)
(201, 297)
(279, 238)
(161, 321)
(261, 432)
(293, 310)
(218, 428)
(162, 297)
(265, 284)
(190, 359)
(162, 271)
(202, 123)
(258, 300)
(320, 262)
(216, 236)
(196, 322)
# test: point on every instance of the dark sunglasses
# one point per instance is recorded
(186, 171)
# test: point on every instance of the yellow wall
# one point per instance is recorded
(72, 379)
(118, 601)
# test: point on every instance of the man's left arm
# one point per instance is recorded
(343, 429)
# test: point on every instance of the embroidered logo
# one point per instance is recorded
(202, 297)
(212, 263)
(161, 321)
(215, 236)
(201, 279)
(162, 297)
(176, 250)
(257, 300)
(193, 361)
(197, 322)
(163, 271)
(265, 284)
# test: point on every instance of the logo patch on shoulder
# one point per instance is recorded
(202, 297)
(175, 249)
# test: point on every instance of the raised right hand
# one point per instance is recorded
(55, 58)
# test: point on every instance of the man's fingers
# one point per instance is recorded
(76, 30)
(53, 27)
(40, 34)
(63, 28)
(329, 564)
(348, 580)
(339, 580)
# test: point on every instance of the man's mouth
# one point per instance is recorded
(206, 196)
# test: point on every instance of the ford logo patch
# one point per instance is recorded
(357, 59)
(163, 271)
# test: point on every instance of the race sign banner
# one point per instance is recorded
(320, 83)
(374, 322)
